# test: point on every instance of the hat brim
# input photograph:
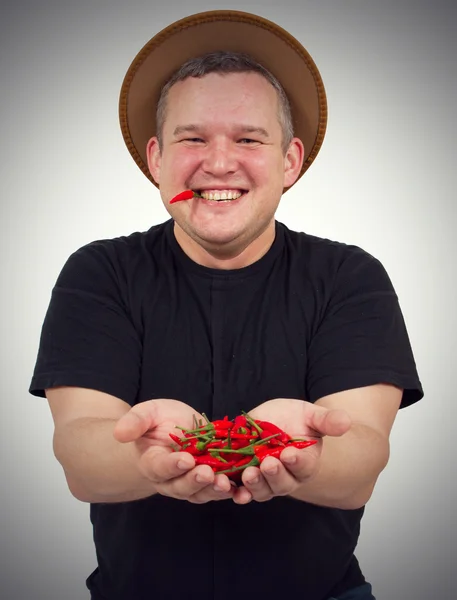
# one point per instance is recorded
(270, 45)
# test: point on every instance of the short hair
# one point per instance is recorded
(226, 62)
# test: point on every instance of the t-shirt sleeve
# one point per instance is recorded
(362, 338)
(88, 338)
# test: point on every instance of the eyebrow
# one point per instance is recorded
(241, 129)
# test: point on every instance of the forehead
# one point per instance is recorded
(229, 91)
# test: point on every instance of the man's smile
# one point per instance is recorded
(221, 195)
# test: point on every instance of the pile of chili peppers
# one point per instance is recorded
(231, 446)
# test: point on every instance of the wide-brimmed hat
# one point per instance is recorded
(234, 31)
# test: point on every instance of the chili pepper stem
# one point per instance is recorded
(251, 421)
(247, 449)
(255, 462)
(203, 430)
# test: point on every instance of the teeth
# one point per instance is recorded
(219, 195)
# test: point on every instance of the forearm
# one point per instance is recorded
(97, 467)
(349, 468)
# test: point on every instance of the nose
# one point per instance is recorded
(220, 159)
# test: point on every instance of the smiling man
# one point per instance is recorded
(222, 136)
(219, 310)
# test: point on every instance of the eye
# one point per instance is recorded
(248, 141)
(194, 140)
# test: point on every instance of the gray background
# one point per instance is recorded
(385, 180)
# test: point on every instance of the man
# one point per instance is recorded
(223, 309)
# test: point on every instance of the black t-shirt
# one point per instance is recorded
(136, 318)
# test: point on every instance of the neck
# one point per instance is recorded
(228, 256)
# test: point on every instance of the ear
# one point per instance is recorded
(154, 157)
(293, 161)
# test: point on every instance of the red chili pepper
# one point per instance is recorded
(272, 428)
(242, 464)
(242, 436)
(263, 451)
(176, 439)
(222, 433)
(191, 449)
(186, 195)
(216, 444)
(252, 422)
(231, 446)
(223, 424)
(213, 462)
(240, 421)
(303, 444)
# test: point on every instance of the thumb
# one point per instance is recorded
(135, 423)
(327, 421)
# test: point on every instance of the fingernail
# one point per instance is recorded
(272, 470)
(201, 479)
(181, 464)
(253, 481)
(289, 460)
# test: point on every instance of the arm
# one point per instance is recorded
(340, 471)
(96, 466)
(111, 452)
(349, 466)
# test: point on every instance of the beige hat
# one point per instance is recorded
(267, 43)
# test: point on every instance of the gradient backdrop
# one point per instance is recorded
(385, 180)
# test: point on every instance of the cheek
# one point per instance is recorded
(180, 164)
(265, 167)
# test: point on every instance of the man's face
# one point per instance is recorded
(222, 136)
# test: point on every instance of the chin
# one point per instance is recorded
(216, 233)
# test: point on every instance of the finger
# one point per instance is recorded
(161, 465)
(257, 485)
(135, 423)
(223, 484)
(242, 496)
(220, 489)
(279, 481)
(301, 464)
(191, 483)
(333, 422)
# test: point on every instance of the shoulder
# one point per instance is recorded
(126, 247)
(332, 261)
(116, 259)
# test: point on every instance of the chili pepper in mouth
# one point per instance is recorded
(186, 195)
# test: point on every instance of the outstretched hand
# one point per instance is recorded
(283, 476)
(174, 474)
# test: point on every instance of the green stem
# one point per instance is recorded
(255, 462)
(251, 421)
(247, 449)
(204, 429)
(219, 457)
(202, 437)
